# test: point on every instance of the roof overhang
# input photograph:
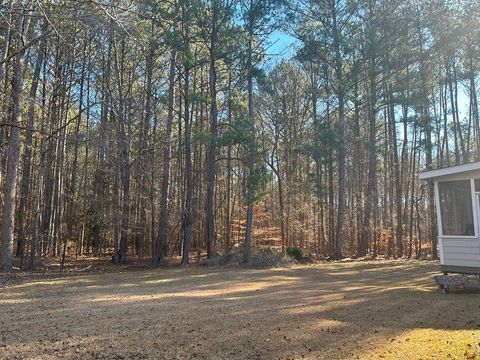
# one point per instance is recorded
(452, 170)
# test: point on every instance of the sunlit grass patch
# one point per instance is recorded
(366, 310)
(429, 344)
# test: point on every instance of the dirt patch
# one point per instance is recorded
(330, 311)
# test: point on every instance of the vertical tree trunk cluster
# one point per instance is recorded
(156, 130)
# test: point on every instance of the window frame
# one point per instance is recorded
(475, 209)
(475, 185)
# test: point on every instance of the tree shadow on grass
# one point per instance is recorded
(325, 311)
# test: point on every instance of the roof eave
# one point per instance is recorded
(459, 169)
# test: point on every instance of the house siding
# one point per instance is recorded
(461, 252)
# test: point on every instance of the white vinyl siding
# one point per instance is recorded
(461, 252)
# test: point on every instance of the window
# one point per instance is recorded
(456, 207)
(477, 185)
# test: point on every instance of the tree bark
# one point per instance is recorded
(211, 155)
(187, 210)
(165, 182)
(27, 153)
(10, 187)
(252, 151)
(338, 245)
(372, 153)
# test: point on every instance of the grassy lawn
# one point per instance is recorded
(361, 310)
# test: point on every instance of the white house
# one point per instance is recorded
(457, 199)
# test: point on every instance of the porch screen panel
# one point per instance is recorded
(456, 207)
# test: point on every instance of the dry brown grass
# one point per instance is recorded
(340, 310)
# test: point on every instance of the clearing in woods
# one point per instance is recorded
(328, 311)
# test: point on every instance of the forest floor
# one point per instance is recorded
(346, 310)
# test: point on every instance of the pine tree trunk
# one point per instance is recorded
(252, 152)
(27, 153)
(372, 160)
(165, 182)
(10, 187)
(187, 210)
(211, 155)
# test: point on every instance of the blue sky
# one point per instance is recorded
(282, 46)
